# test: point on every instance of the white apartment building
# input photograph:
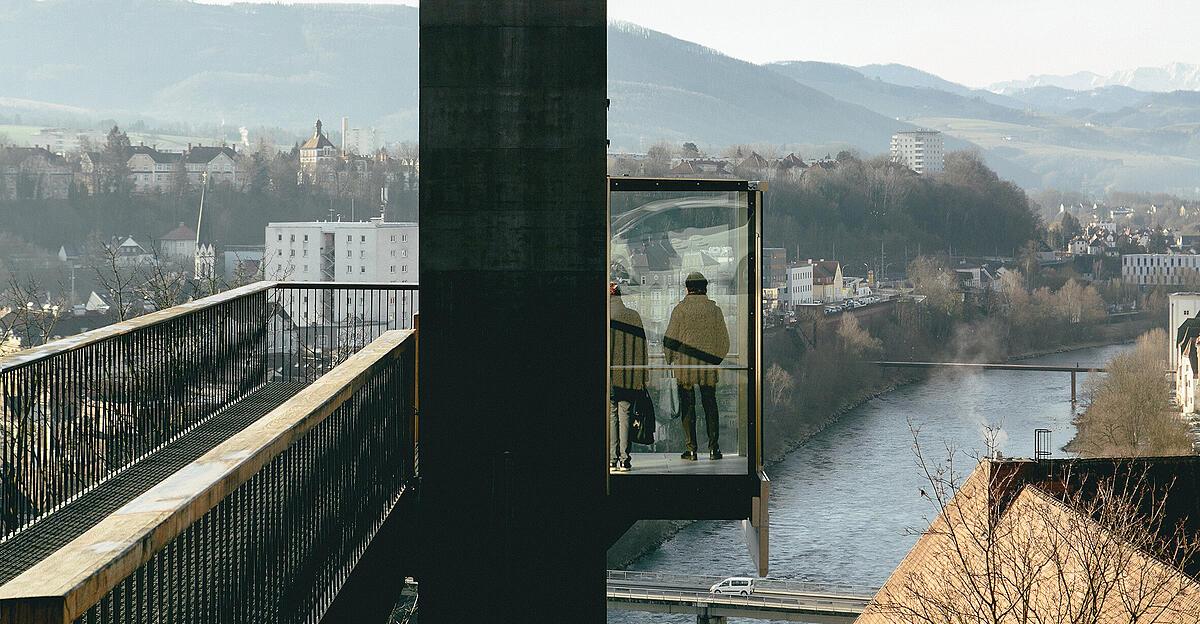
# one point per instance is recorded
(799, 285)
(338, 251)
(919, 150)
(1160, 269)
(1181, 307)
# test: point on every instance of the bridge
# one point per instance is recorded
(1026, 368)
(772, 599)
(230, 459)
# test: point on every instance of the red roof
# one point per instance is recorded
(183, 232)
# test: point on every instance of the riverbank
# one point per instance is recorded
(788, 435)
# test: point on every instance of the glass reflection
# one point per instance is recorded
(680, 310)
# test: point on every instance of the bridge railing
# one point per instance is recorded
(77, 411)
(265, 527)
(703, 582)
(756, 600)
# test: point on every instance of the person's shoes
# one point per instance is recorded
(688, 455)
(625, 465)
(612, 464)
(715, 454)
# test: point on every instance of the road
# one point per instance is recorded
(771, 600)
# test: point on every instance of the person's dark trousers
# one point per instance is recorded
(687, 413)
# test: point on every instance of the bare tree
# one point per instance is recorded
(1086, 549)
(1128, 411)
(28, 312)
(114, 276)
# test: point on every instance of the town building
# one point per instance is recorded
(318, 159)
(1160, 269)
(1186, 344)
(799, 287)
(827, 281)
(218, 163)
(242, 263)
(774, 267)
(33, 173)
(919, 150)
(340, 251)
(179, 244)
(151, 170)
(1180, 307)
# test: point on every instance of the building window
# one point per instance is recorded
(404, 254)
(306, 268)
(279, 237)
(305, 253)
(362, 254)
(404, 238)
(292, 253)
(349, 269)
(392, 269)
(293, 238)
(393, 238)
(279, 252)
(349, 254)
(364, 238)
(349, 238)
(362, 269)
(306, 238)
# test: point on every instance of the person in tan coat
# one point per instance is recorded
(696, 338)
(627, 340)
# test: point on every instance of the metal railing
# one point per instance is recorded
(265, 527)
(693, 582)
(76, 412)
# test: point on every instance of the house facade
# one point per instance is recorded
(799, 285)
(34, 173)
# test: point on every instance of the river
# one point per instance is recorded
(844, 504)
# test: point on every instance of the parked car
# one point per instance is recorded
(739, 585)
(832, 309)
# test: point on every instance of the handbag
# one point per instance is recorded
(670, 394)
(641, 426)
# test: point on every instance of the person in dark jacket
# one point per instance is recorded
(627, 341)
(696, 341)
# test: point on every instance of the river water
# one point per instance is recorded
(844, 504)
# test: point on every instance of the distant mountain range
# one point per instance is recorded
(1172, 77)
(281, 66)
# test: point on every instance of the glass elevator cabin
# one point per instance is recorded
(684, 310)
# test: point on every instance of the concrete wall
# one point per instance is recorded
(512, 336)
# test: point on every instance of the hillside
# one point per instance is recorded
(205, 70)
(662, 87)
(903, 102)
(246, 64)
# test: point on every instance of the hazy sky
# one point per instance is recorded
(974, 42)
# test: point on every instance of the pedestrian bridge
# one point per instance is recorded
(229, 459)
(772, 599)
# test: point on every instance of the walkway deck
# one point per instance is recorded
(670, 463)
(24, 549)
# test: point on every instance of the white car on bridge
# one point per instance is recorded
(740, 585)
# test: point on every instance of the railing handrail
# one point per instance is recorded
(78, 341)
(120, 328)
(704, 581)
(347, 285)
(72, 579)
